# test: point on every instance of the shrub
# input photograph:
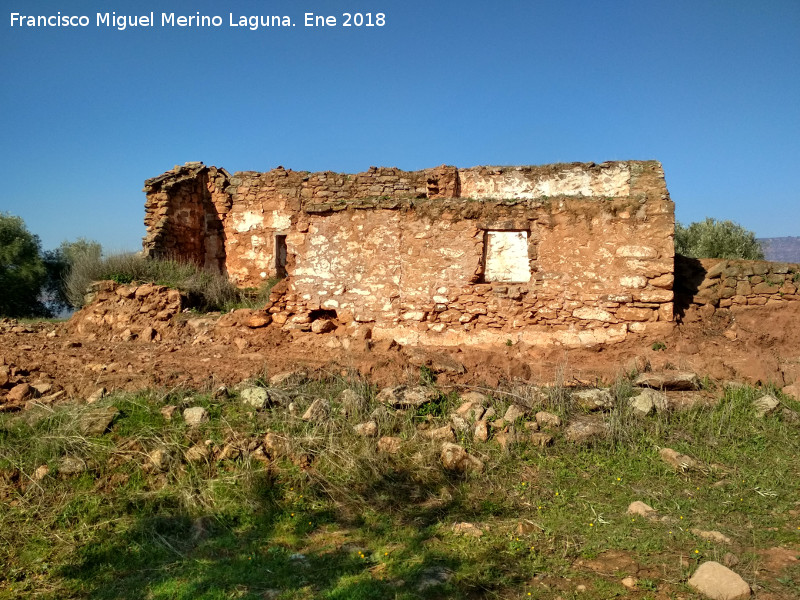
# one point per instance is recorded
(717, 239)
(206, 289)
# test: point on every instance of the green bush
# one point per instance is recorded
(717, 239)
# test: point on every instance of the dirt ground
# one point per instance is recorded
(750, 345)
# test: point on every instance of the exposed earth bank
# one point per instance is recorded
(132, 338)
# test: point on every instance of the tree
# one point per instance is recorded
(22, 270)
(717, 239)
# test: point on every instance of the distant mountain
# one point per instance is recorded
(781, 249)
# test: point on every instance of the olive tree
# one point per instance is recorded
(22, 270)
(717, 239)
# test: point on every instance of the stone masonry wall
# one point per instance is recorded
(420, 256)
(713, 284)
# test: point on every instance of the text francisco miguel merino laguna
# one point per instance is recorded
(252, 22)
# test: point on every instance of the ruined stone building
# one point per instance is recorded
(568, 253)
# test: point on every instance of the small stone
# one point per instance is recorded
(672, 380)
(678, 461)
(712, 536)
(318, 411)
(368, 429)
(541, 440)
(389, 445)
(766, 405)
(647, 401)
(405, 396)
(548, 419)
(455, 458)
(474, 397)
(168, 411)
(514, 412)
(97, 421)
(718, 582)
(641, 509)
(730, 560)
(70, 465)
(593, 399)
(280, 378)
(197, 453)
(258, 320)
(96, 395)
(471, 410)
(467, 529)
(323, 326)
(460, 424)
(445, 433)
(481, 431)
(629, 582)
(584, 430)
(40, 473)
(195, 415)
(277, 445)
(159, 459)
(434, 576)
(792, 391)
(42, 388)
(256, 397)
(20, 392)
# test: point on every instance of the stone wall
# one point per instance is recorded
(712, 284)
(571, 253)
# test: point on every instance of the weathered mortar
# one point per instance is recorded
(407, 251)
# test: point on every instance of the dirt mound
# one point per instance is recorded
(138, 336)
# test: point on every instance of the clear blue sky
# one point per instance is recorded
(710, 88)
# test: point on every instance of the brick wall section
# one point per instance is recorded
(404, 251)
(712, 284)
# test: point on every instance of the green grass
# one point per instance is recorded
(335, 519)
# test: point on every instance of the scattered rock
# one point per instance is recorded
(541, 440)
(40, 473)
(318, 412)
(593, 399)
(96, 395)
(258, 320)
(712, 536)
(42, 388)
(434, 576)
(719, 583)
(281, 378)
(445, 433)
(467, 529)
(168, 411)
(669, 380)
(475, 397)
(730, 560)
(323, 326)
(389, 445)
(641, 509)
(197, 453)
(766, 405)
(471, 409)
(455, 458)
(406, 397)
(159, 459)
(70, 465)
(97, 421)
(276, 445)
(514, 412)
(585, 430)
(629, 582)
(548, 419)
(257, 397)
(678, 461)
(368, 429)
(481, 431)
(648, 401)
(20, 392)
(195, 415)
(460, 424)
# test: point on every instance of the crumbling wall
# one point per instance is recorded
(573, 254)
(708, 285)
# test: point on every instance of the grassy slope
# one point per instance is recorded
(359, 524)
